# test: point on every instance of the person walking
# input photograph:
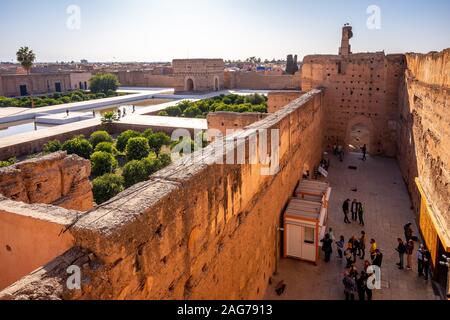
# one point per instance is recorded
(340, 153)
(345, 208)
(362, 245)
(426, 262)
(409, 253)
(378, 258)
(354, 210)
(419, 256)
(401, 249)
(373, 248)
(361, 214)
(408, 232)
(340, 247)
(364, 151)
(327, 247)
(350, 288)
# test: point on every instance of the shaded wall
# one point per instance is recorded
(424, 141)
(30, 236)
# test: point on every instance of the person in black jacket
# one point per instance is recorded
(408, 232)
(426, 262)
(361, 214)
(327, 247)
(401, 249)
(378, 258)
(361, 284)
(346, 208)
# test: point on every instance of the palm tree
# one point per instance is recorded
(26, 58)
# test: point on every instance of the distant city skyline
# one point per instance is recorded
(152, 31)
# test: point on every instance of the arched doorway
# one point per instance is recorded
(216, 84)
(359, 133)
(358, 137)
(190, 85)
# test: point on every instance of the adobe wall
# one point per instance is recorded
(150, 242)
(145, 79)
(77, 77)
(36, 83)
(255, 80)
(58, 178)
(202, 72)
(361, 97)
(30, 236)
(224, 121)
(278, 100)
(424, 131)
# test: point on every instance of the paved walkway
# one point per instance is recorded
(387, 209)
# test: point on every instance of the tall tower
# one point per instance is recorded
(347, 34)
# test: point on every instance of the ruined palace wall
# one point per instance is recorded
(30, 236)
(58, 179)
(145, 79)
(361, 90)
(224, 121)
(279, 99)
(201, 231)
(203, 73)
(424, 133)
(196, 229)
(254, 81)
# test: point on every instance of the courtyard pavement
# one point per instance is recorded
(381, 188)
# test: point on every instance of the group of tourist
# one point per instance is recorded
(357, 210)
(355, 282)
(407, 248)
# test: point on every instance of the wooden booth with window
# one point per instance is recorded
(305, 221)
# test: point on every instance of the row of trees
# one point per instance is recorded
(118, 163)
(231, 102)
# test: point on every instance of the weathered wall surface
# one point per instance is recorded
(254, 80)
(151, 243)
(204, 75)
(361, 97)
(220, 244)
(424, 132)
(41, 83)
(224, 121)
(278, 100)
(30, 236)
(145, 79)
(56, 179)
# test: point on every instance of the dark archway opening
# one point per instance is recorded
(190, 85)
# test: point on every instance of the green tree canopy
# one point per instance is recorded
(26, 58)
(104, 83)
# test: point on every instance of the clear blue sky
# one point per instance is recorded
(160, 30)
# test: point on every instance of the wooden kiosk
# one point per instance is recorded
(305, 221)
(313, 190)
